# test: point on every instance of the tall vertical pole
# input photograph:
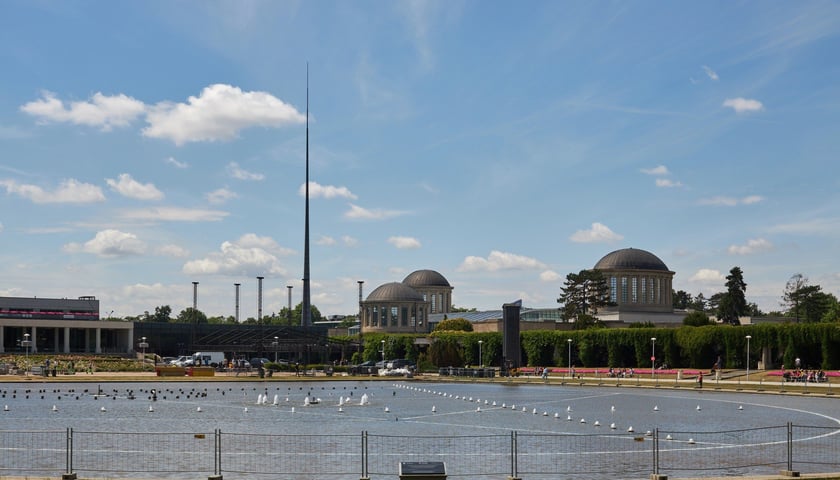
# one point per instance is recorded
(236, 312)
(289, 310)
(653, 357)
(360, 282)
(306, 313)
(195, 295)
(259, 299)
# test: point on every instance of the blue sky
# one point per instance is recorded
(147, 145)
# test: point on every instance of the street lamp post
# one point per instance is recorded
(275, 344)
(653, 357)
(143, 346)
(748, 357)
(26, 343)
(569, 341)
(480, 361)
(383, 353)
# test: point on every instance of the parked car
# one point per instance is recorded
(258, 362)
(364, 368)
(401, 363)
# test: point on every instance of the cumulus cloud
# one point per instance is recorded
(657, 170)
(326, 191)
(220, 195)
(175, 214)
(172, 251)
(667, 183)
(404, 243)
(599, 233)
(499, 261)
(250, 255)
(349, 241)
(239, 173)
(325, 241)
(176, 163)
(220, 112)
(723, 201)
(100, 110)
(549, 276)
(69, 191)
(710, 73)
(707, 275)
(743, 105)
(131, 188)
(360, 213)
(109, 243)
(755, 245)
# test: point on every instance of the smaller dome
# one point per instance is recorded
(425, 278)
(631, 259)
(394, 292)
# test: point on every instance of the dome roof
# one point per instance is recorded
(631, 259)
(395, 292)
(426, 278)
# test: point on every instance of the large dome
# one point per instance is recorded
(394, 292)
(631, 259)
(425, 278)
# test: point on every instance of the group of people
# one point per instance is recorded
(800, 375)
(621, 372)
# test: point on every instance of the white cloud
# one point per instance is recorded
(131, 188)
(176, 163)
(818, 226)
(404, 242)
(220, 112)
(349, 241)
(69, 191)
(101, 110)
(326, 191)
(549, 276)
(325, 241)
(239, 173)
(711, 73)
(251, 255)
(359, 213)
(743, 105)
(658, 170)
(668, 183)
(175, 214)
(723, 201)
(707, 275)
(755, 245)
(172, 251)
(499, 261)
(109, 243)
(220, 195)
(597, 234)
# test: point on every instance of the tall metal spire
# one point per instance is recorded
(306, 311)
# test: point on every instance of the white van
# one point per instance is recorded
(208, 359)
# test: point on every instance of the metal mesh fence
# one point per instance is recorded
(473, 456)
(317, 455)
(815, 449)
(43, 451)
(584, 455)
(732, 452)
(165, 453)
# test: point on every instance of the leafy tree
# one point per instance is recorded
(833, 312)
(162, 314)
(585, 322)
(733, 303)
(698, 303)
(454, 324)
(806, 302)
(793, 293)
(584, 293)
(191, 315)
(681, 299)
(462, 309)
(696, 319)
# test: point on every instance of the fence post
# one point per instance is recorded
(365, 455)
(68, 452)
(514, 451)
(790, 472)
(217, 455)
(656, 475)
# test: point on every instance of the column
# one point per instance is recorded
(55, 339)
(98, 341)
(2, 338)
(66, 339)
(34, 340)
(130, 334)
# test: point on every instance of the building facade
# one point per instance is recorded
(404, 307)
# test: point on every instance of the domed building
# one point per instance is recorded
(404, 307)
(639, 284)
